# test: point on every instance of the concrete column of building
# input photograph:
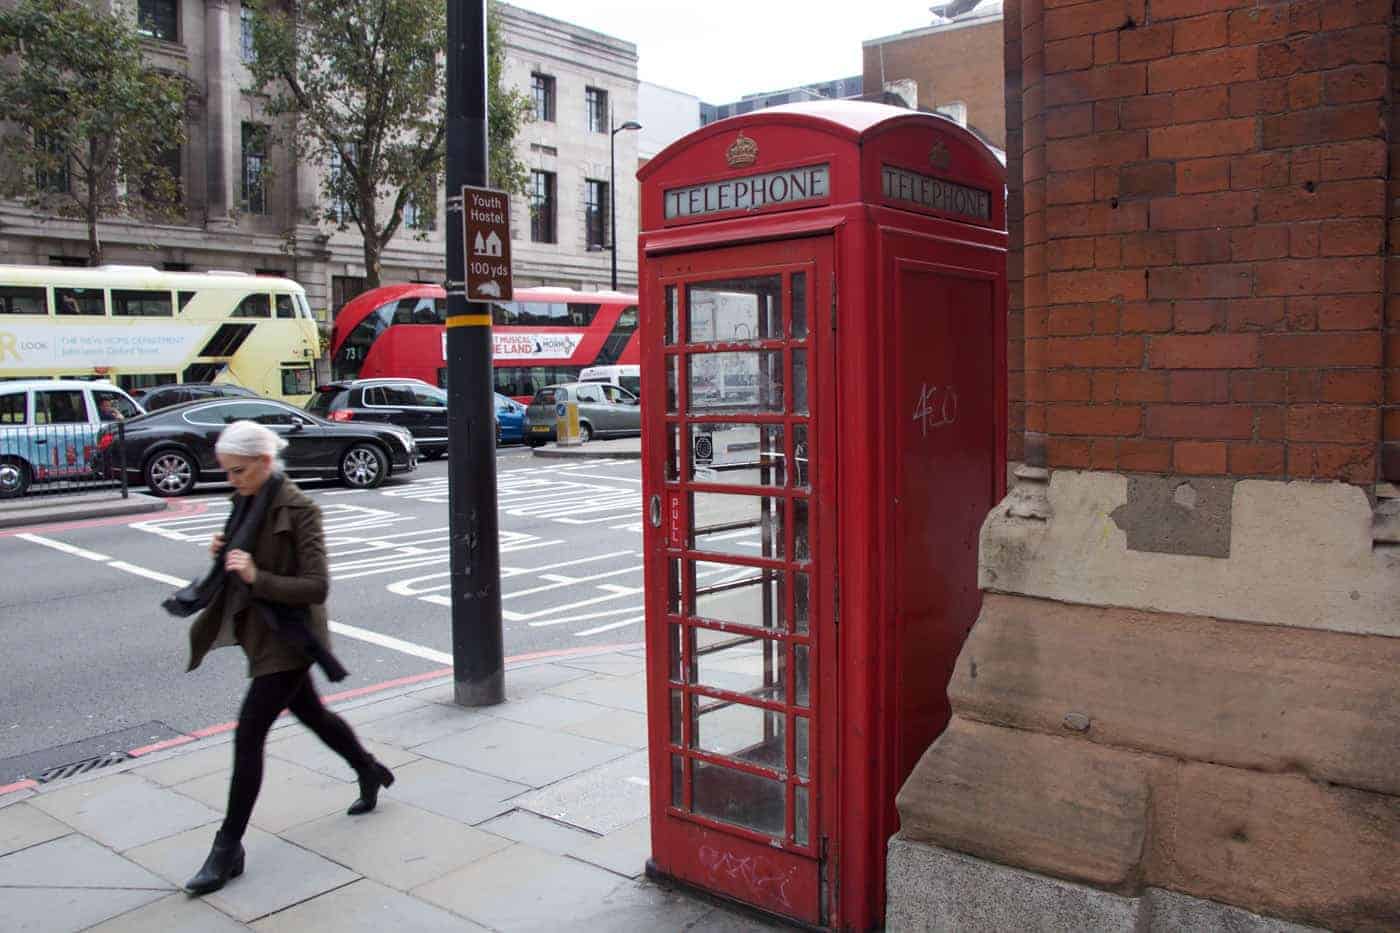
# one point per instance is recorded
(221, 96)
(1178, 708)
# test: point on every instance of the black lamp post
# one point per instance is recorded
(612, 192)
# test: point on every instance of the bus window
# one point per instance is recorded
(134, 382)
(186, 298)
(79, 301)
(619, 336)
(18, 299)
(353, 350)
(303, 306)
(256, 305)
(202, 372)
(297, 379)
(285, 309)
(141, 304)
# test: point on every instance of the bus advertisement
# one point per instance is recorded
(544, 336)
(140, 327)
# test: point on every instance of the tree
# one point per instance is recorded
(96, 127)
(362, 85)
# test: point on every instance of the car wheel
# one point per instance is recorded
(500, 439)
(14, 478)
(170, 473)
(364, 466)
(585, 433)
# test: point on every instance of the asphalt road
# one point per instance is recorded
(90, 658)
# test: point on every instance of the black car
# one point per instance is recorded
(408, 403)
(172, 449)
(167, 395)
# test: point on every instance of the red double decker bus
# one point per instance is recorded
(543, 336)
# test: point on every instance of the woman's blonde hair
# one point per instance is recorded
(250, 439)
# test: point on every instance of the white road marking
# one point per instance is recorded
(149, 574)
(389, 641)
(64, 547)
(610, 626)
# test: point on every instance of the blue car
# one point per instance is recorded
(510, 420)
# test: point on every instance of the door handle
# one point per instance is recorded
(654, 510)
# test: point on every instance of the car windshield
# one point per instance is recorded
(544, 397)
(321, 402)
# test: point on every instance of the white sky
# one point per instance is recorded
(720, 50)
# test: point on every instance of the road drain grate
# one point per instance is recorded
(83, 767)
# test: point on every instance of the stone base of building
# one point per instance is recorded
(930, 889)
(1174, 685)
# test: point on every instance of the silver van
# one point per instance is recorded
(604, 410)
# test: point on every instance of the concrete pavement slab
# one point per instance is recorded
(84, 507)
(618, 692)
(178, 912)
(74, 862)
(186, 765)
(624, 851)
(290, 795)
(124, 810)
(380, 708)
(365, 907)
(520, 682)
(278, 875)
(68, 910)
(720, 920)
(544, 834)
(521, 753)
(304, 748)
(423, 723)
(548, 711)
(459, 794)
(600, 800)
(397, 845)
(640, 905)
(616, 664)
(522, 889)
(621, 727)
(24, 826)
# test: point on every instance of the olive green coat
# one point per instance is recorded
(290, 554)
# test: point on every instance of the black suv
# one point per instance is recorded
(158, 397)
(409, 403)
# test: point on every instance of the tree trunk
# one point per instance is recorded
(369, 233)
(94, 182)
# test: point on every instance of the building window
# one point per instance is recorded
(542, 207)
(415, 216)
(254, 162)
(158, 19)
(171, 159)
(51, 176)
(339, 182)
(595, 213)
(343, 288)
(596, 99)
(542, 89)
(246, 49)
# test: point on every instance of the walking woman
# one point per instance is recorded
(267, 593)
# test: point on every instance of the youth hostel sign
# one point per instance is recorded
(789, 186)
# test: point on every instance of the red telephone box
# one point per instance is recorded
(823, 299)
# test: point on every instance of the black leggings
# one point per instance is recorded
(267, 697)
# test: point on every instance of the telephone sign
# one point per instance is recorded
(486, 239)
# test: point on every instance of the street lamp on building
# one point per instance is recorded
(612, 192)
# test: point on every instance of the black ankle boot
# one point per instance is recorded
(225, 861)
(371, 779)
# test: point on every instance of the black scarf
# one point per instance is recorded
(240, 532)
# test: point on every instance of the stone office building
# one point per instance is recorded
(1179, 707)
(251, 207)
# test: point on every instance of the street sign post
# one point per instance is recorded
(486, 239)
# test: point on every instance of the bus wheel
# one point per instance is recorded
(585, 433)
(14, 478)
(364, 466)
(170, 473)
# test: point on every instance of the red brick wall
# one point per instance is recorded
(1205, 208)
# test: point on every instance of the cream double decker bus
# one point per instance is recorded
(140, 327)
